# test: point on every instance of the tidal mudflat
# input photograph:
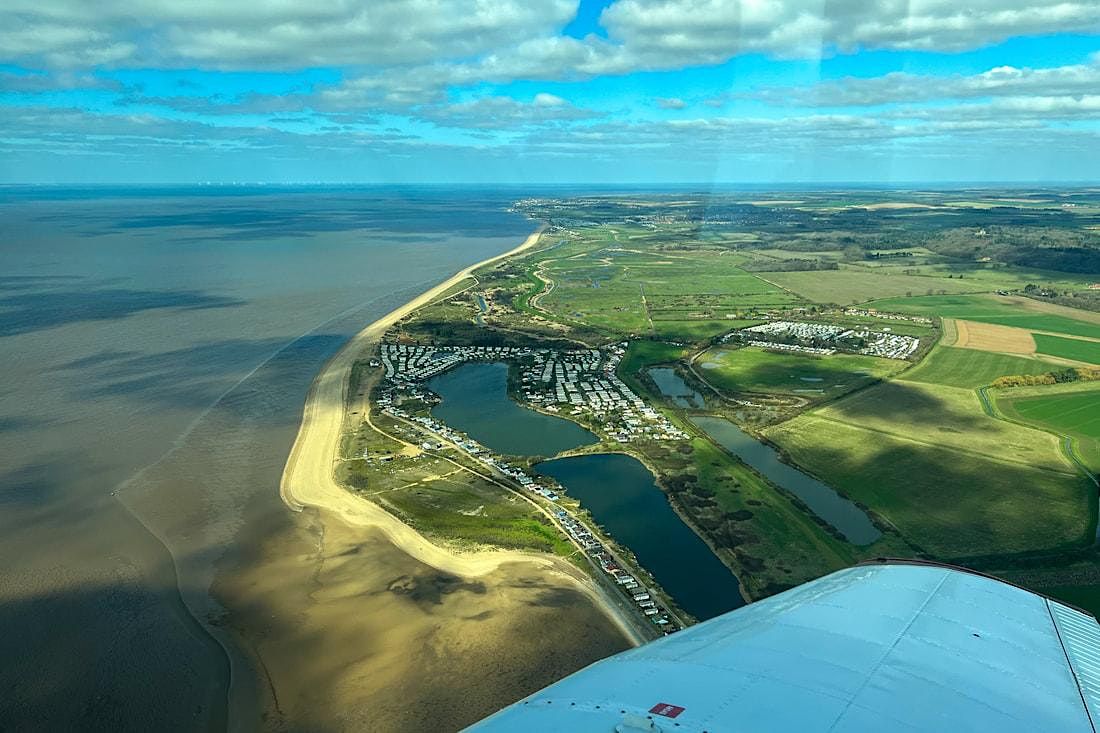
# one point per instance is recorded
(157, 348)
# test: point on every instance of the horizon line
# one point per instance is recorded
(548, 184)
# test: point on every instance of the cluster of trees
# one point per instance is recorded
(1060, 376)
(1047, 245)
(795, 264)
(1084, 299)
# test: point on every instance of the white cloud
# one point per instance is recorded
(504, 39)
(707, 31)
(548, 100)
(505, 113)
(1010, 111)
(904, 87)
(284, 34)
(671, 103)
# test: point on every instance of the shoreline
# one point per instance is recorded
(308, 479)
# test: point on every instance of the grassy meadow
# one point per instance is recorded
(944, 417)
(990, 309)
(848, 286)
(956, 367)
(1073, 411)
(619, 285)
(953, 480)
(466, 509)
(751, 369)
(1074, 349)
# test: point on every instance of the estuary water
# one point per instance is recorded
(156, 347)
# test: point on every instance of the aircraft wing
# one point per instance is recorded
(893, 646)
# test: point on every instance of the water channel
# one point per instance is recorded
(823, 501)
(483, 308)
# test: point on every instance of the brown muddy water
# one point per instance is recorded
(156, 347)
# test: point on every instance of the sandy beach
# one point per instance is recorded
(308, 478)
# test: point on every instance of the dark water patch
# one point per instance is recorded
(14, 423)
(415, 217)
(475, 401)
(12, 283)
(194, 377)
(37, 311)
(620, 493)
(92, 687)
(673, 386)
(39, 482)
(825, 502)
(430, 588)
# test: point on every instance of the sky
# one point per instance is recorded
(549, 91)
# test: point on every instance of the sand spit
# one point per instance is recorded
(308, 479)
(504, 596)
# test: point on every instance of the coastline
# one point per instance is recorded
(308, 479)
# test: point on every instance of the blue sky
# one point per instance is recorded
(549, 91)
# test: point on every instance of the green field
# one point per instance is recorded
(957, 367)
(472, 510)
(952, 480)
(848, 286)
(622, 287)
(752, 369)
(989, 309)
(643, 354)
(1074, 413)
(700, 330)
(944, 417)
(1074, 349)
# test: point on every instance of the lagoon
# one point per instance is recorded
(622, 496)
(475, 401)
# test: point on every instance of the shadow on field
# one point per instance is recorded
(911, 405)
(954, 506)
